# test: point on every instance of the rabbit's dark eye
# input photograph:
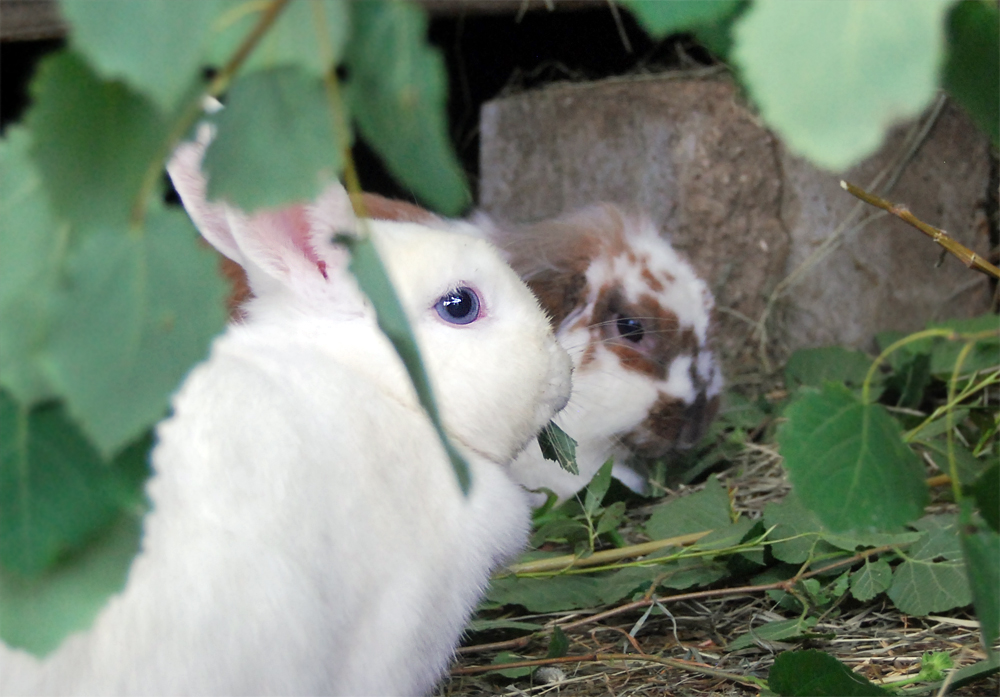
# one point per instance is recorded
(630, 328)
(459, 306)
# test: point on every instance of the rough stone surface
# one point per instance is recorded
(743, 209)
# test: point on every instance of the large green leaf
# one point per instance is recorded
(276, 141)
(816, 673)
(665, 18)
(37, 614)
(972, 71)
(932, 579)
(397, 90)
(93, 142)
(832, 77)
(707, 509)
(845, 458)
(816, 366)
(555, 594)
(305, 35)
(780, 630)
(55, 490)
(138, 312)
(986, 493)
(155, 46)
(32, 246)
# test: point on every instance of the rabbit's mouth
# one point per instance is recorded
(672, 424)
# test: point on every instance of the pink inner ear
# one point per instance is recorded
(294, 221)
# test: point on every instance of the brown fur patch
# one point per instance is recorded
(663, 338)
(559, 294)
(382, 208)
(659, 432)
(654, 283)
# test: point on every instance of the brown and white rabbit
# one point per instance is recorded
(636, 319)
(308, 535)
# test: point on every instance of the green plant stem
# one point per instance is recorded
(571, 561)
(991, 379)
(194, 109)
(894, 346)
(956, 487)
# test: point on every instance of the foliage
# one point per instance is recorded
(850, 69)
(107, 297)
(829, 540)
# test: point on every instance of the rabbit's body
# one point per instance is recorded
(637, 321)
(308, 534)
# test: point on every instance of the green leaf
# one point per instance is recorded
(559, 447)
(479, 624)
(397, 91)
(685, 573)
(972, 71)
(871, 579)
(986, 492)
(55, 490)
(817, 674)
(832, 77)
(33, 243)
(982, 564)
(773, 631)
(508, 657)
(622, 583)
(555, 594)
(661, 19)
(842, 456)
(374, 282)
(985, 355)
(276, 141)
(154, 45)
(137, 313)
(910, 379)
(922, 587)
(707, 509)
(816, 366)
(37, 614)
(611, 518)
(932, 579)
(307, 35)
(940, 539)
(92, 141)
(934, 666)
(558, 644)
(796, 527)
(597, 488)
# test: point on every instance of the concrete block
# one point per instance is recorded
(747, 212)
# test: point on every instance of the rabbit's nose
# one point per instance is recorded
(697, 416)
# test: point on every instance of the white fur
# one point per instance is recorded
(308, 535)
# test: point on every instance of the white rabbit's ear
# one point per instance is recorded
(290, 246)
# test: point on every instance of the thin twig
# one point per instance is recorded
(965, 255)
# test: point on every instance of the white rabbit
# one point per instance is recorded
(308, 535)
(637, 320)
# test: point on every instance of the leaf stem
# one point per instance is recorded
(965, 255)
(956, 487)
(193, 110)
(866, 386)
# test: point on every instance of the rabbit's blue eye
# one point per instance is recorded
(631, 329)
(459, 306)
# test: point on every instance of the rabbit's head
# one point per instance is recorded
(635, 317)
(497, 372)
